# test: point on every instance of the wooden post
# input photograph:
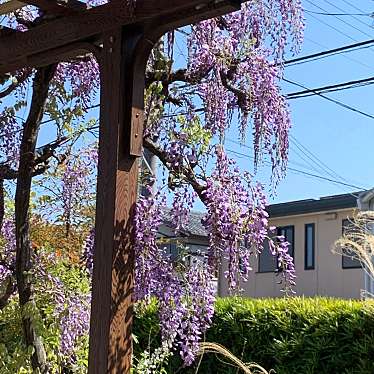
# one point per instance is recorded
(122, 100)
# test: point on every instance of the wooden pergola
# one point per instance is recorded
(121, 38)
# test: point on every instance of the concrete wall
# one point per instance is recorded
(328, 277)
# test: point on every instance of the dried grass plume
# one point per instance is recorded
(358, 241)
(251, 368)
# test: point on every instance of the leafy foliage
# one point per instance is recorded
(289, 335)
(52, 318)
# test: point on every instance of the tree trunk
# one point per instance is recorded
(9, 288)
(41, 83)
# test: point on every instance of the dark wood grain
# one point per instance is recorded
(61, 54)
(11, 6)
(111, 316)
(93, 22)
(58, 7)
(6, 31)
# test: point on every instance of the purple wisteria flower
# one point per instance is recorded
(8, 250)
(185, 296)
(9, 136)
(75, 321)
(88, 248)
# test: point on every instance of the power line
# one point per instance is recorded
(305, 158)
(311, 166)
(353, 6)
(303, 172)
(337, 102)
(333, 27)
(330, 52)
(341, 20)
(350, 15)
(310, 158)
(343, 55)
(309, 154)
(339, 14)
(331, 88)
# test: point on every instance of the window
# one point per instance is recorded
(309, 246)
(288, 233)
(348, 259)
(173, 251)
(266, 261)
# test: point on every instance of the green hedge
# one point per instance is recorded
(296, 335)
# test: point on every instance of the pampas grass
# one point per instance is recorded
(358, 238)
(251, 368)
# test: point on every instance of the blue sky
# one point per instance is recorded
(341, 139)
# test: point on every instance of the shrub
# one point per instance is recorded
(290, 335)
(295, 335)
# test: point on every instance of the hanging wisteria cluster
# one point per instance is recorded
(237, 223)
(8, 251)
(230, 78)
(185, 295)
(233, 68)
(240, 57)
(9, 136)
(77, 181)
(87, 254)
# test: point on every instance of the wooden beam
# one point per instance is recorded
(58, 7)
(11, 6)
(17, 49)
(5, 31)
(62, 54)
(122, 99)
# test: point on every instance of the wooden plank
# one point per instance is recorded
(11, 6)
(93, 22)
(5, 31)
(58, 7)
(63, 54)
(112, 288)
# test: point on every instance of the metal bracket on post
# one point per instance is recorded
(136, 140)
(136, 56)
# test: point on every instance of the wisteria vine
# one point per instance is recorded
(230, 77)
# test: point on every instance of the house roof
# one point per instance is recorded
(322, 204)
(193, 227)
(291, 208)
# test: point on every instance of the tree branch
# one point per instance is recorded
(180, 75)
(22, 78)
(40, 162)
(242, 96)
(187, 173)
